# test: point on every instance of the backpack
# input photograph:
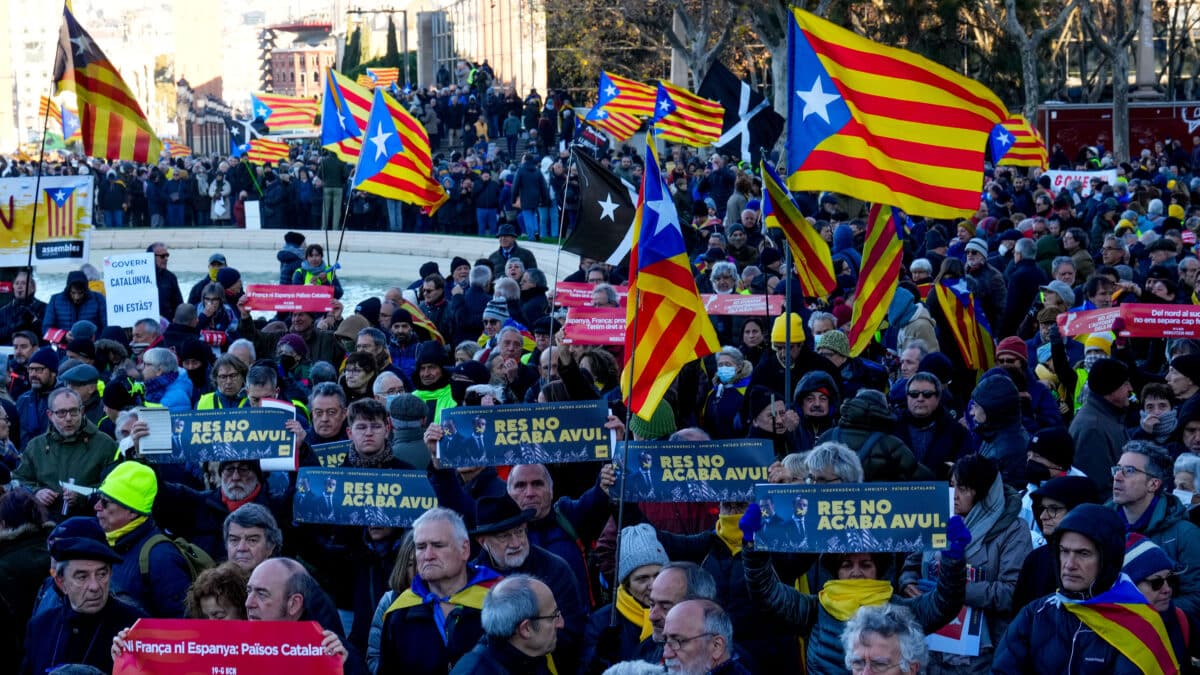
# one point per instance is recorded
(197, 559)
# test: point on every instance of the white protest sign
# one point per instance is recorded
(253, 216)
(130, 288)
(1060, 179)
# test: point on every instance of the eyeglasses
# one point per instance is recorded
(1128, 471)
(677, 643)
(860, 666)
(354, 371)
(554, 617)
(65, 413)
(231, 469)
(1156, 583)
(821, 480)
(1054, 511)
(105, 501)
(924, 393)
(162, 255)
(226, 377)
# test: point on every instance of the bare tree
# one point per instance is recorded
(1028, 30)
(705, 27)
(1174, 24)
(1112, 30)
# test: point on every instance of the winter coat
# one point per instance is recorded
(997, 558)
(51, 458)
(1002, 438)
(936, 441)
(498, 259)
(805, 613)
(169, 295)
(20, 315)
(992, 292)
(920, 327)
(810, 427)
(160, 592)
(495, 657)
(31, 414)
(1062, 646)
(1100, 435)
(177, 397)
(290, 259)
(530, 187)
(411, 643)
(24, 561)
(62, 636)
(884, 459)
(602, 649)
(322, 345)
(200, 516)
(1025, 279)
(1170, 528)
(62, 313)
(220, 190)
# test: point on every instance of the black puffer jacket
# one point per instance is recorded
(866, 426)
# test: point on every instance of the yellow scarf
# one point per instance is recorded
(842, 597)
(633, 611)
(116, 534)
(729, 532)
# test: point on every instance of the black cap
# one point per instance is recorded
(494, 515)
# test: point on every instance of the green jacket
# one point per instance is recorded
(51, 458)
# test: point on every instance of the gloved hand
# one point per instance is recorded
(1055, 334)
(959, 536)
(750, 522)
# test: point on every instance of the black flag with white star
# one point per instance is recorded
(750, 121)
(607, 206)
(239, 136)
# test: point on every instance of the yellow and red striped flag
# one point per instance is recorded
(177, 149)
(383, 77)
(421, 321)
(811, 257)
(111, 121)
(54, 111)
(365, 80)
(1014, 142)
(878, 276)
(618, 125)
(967, 323)
(284, 113)
(60, 211)
(265, 151)
(621, 95)
(408, 175)
(683, 117)
(671, 328)
(1121, 617)
(882, 124)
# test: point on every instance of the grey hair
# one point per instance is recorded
(610, 293)
(690, 434)
(162, 358)
(481, 276)
(507, 289)
(123, 417)
(717, 622)
(515, 262)
(60, 567)
(149, 324)
(509, 329)
(260, 376)
(722, 268)
(537, 276)
(1188, 462)
(444, 515)
(917, 344)
(1158, 460)
(634, 668)
(888, 620)
(821, 316)
(794, 463)
(1026, 248)
(256, 515)
(64, 391)
(328, 389)
(383, 381)
(837, 457)
(1060, 261)
(375, 334)
(468, 346)
(700, 584)
(733, 353)
(507, 604)
(921, 264)
(245, 344)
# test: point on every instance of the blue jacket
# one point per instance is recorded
(178, 395)
(62, 313)
(31, 408)
(161, 592)
(1063, 645)
(60, 636)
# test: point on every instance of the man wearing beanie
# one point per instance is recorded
(1099, 426)
(431, 382)
(856, 373)
(991, 287)
(42, 370)
(152, 574)
(73, 449)
(1183, 377)
(641, 558)
(322, 345)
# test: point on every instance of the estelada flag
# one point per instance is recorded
(878, 276)
(60, 211)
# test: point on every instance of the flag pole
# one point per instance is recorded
(558, 255)
(636, 298)
(37, 187)
(345, 213)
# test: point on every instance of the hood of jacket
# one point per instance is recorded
(818, 379)
(998, 397)
(902, 309)
(843, 238)
(867, 413)
(1104, 528)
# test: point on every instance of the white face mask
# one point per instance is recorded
(1004, 248)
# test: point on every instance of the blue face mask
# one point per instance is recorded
(387, 400)
(726, 373)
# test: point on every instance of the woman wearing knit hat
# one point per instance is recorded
(1155, 574)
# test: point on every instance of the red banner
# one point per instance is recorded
(179, 646)
(737, 304)
(289, 298)
(1141, 321)
(579, 294)
(595, 326)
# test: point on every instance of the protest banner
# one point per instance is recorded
(852, 518)
(1060, 179)
(541, 433)
(1141, 321)
(64, 219)
(738, 304)
(594, 326)
(225, 435)
(362, 497)
(579, 294)
(130, 288)
(694, 471)
(331, 454)
(183, 646)
(289, 298)
(961, 636)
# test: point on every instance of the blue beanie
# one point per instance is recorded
(46, 356)
(1143, 558)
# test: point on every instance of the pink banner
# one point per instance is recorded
(595, 326)
(579, 294)
(736, 304)
(1139, 321)
(289, 298)
(184, 646)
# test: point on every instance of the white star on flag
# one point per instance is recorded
(667, 217)
(1004, 138)
(665, 105)
(60, 196)
(816, 101)
(380, 140)
(609, 208)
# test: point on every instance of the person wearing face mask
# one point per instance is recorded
(995, 409)
(1050, 455)
(1050, 504)
(722, 413)
(1159, 417)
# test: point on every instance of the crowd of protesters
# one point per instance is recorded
(1073, 461)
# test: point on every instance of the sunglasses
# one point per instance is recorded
(1156, 583)
(927, 393)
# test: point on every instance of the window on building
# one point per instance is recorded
(316, 77)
